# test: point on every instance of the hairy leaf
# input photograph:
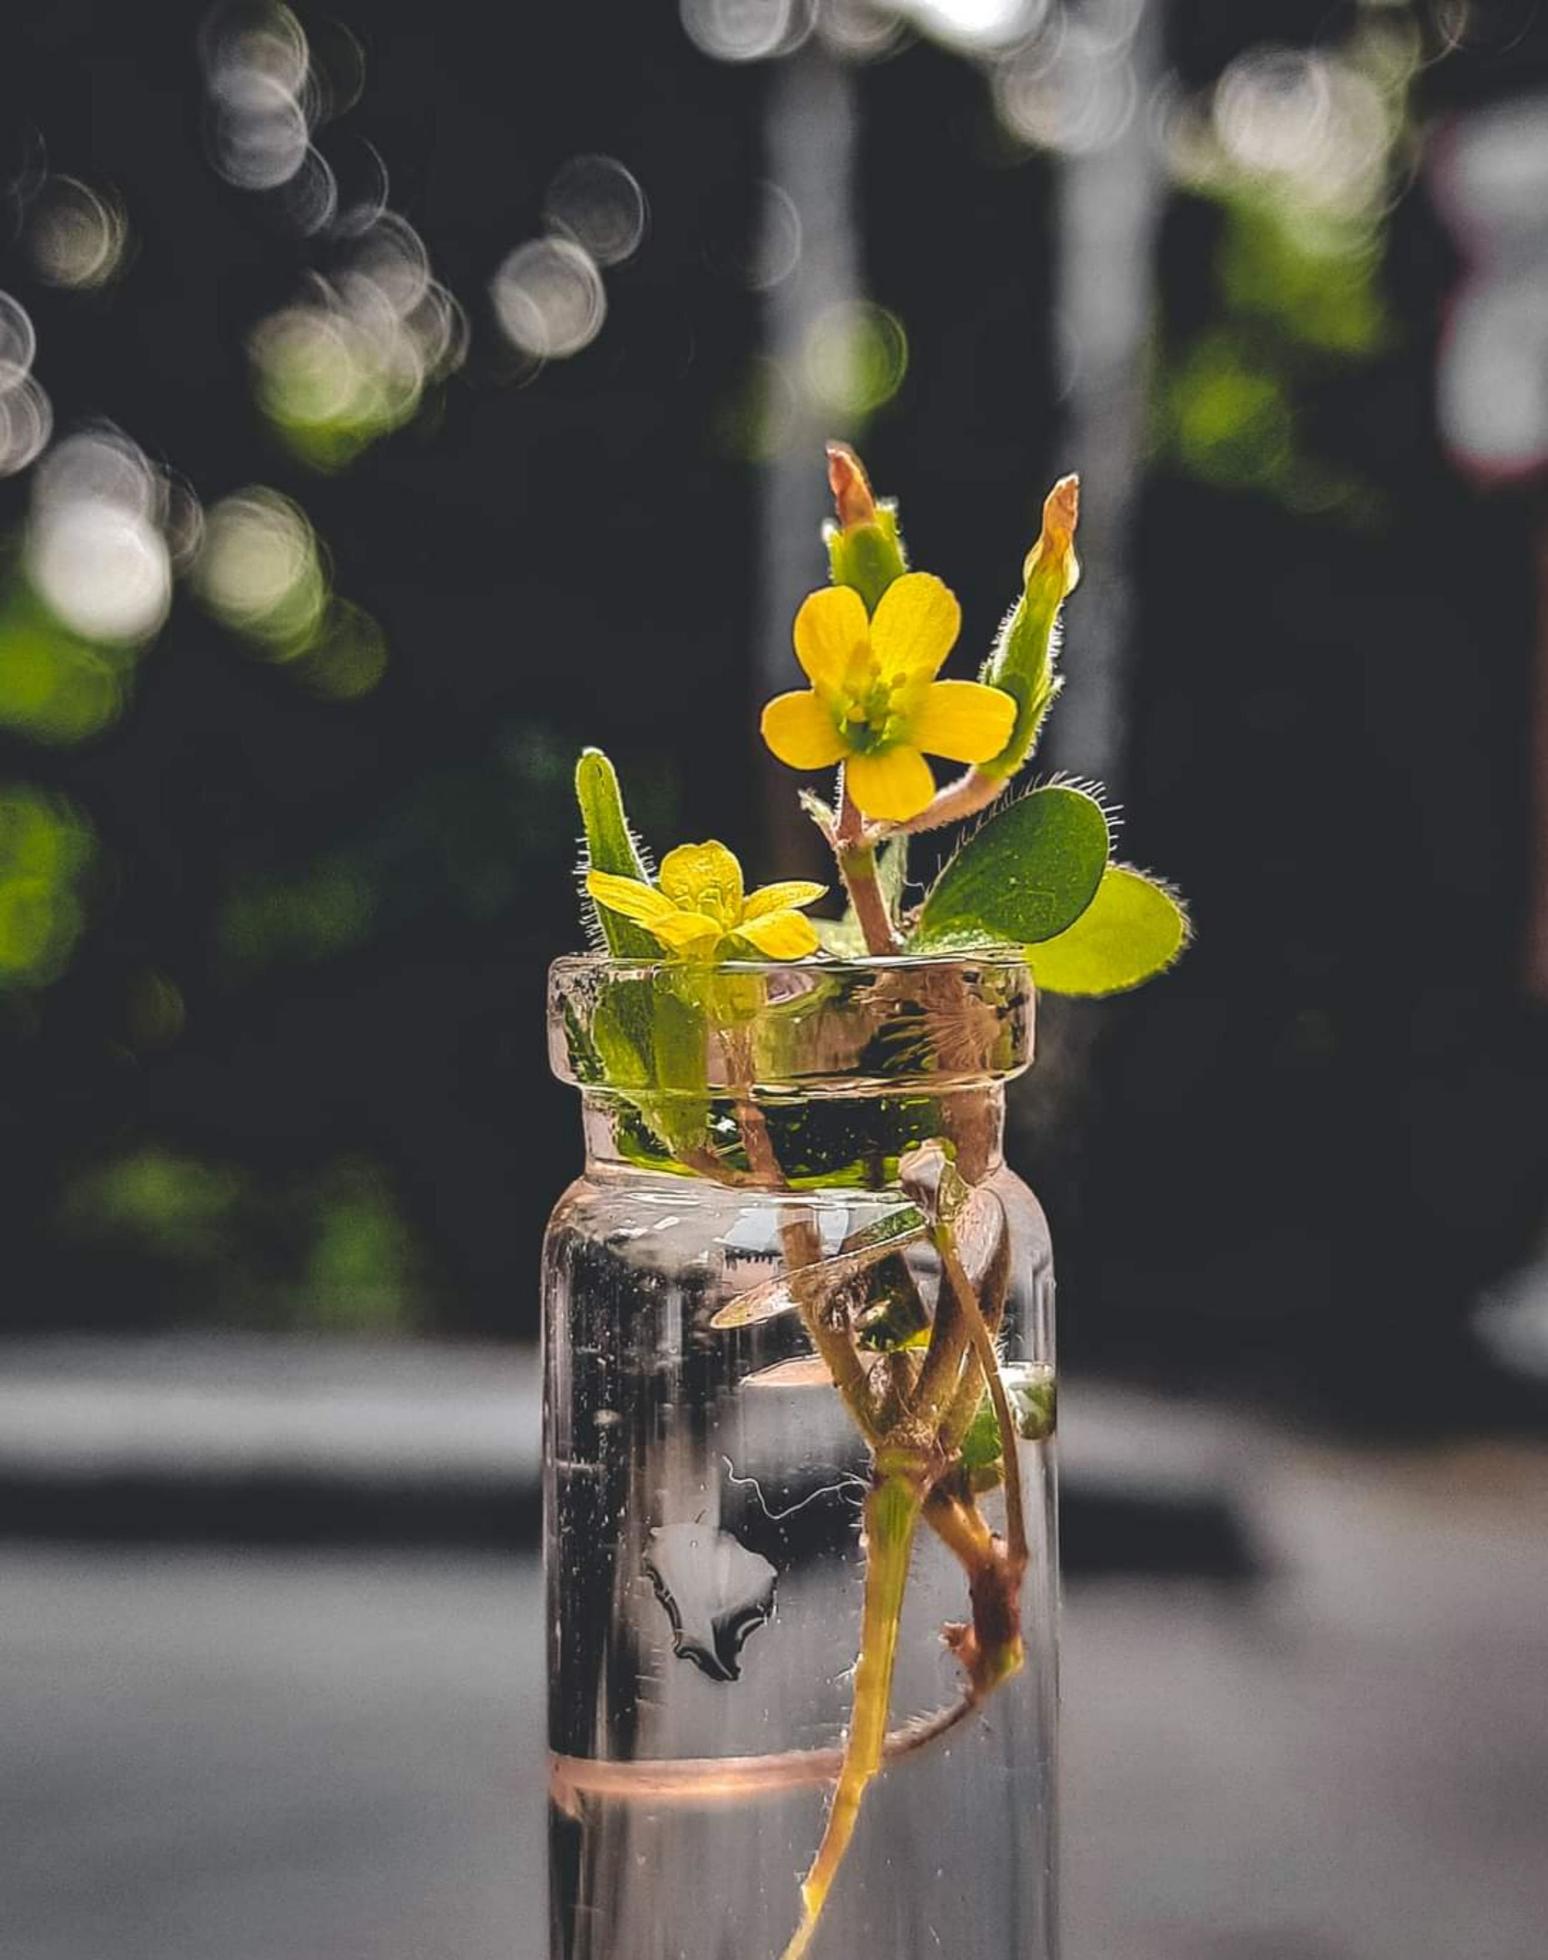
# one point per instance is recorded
(1028, 874)
(1133, 929)
(611, 846)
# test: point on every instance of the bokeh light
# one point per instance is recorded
(746, 30)
(257, 76)
(76, 237)
(1070, 89)
(349, 657)
(1313, 121)
(260, 572)
(1232, 421)
(26, 422)
(46, 850)
(859, 30)
(549, 298)
(26, 415)
(55, 687)
(92, 587)
(976, 26)
(598, 203)
(350, 361)
(95, 553)
(18, 338)
(854, 358)
(1303, 151)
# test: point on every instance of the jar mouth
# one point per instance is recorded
(902, 1024)
(1002, 959)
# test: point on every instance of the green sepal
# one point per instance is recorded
(1026, 875)
(1134, 928)
(611, 846)
(867, 556)
(1023, 664)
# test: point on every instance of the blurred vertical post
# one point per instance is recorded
(810, 151)
(1490, 165)
(1110, 201)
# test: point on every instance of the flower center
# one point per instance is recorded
(870, 708)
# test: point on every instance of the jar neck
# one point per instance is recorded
(819, 1140)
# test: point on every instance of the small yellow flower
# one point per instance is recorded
(698, 910)
(874, 703)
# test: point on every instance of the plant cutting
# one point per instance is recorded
(797, 1211)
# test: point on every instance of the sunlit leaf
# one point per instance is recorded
(1132, 930)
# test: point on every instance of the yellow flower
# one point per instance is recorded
(874, 703)
(698, 910)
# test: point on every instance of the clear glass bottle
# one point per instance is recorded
(748, 1301)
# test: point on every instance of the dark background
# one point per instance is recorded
(1322, 1129)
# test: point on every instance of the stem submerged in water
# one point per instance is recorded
(891, 1513)
(915, 1451)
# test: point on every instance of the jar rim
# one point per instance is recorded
(903, 1024)
(997, 958)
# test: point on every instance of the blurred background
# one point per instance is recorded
(393, 401)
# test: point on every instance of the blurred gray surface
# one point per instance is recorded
(224, 1406)
(269, 1758)
(238, 1756)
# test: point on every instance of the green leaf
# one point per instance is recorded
(611, 846)
(867, 556)
(1026, 875)
(1133, 929)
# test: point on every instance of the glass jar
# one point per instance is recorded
(766, 1412)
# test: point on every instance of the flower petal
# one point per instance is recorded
(829, 629)
(916, 625)
(627, 896)
(704, 878)
(693, 933)
(780, 935)
(891, 786)
(779, 898)
(801, 732)
(963, 720)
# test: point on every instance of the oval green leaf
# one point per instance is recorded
(1027, 875)
(1133, 929)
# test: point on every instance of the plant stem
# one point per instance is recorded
(891, 1513)
(989, 1361)
(965, 797)
(802, 1248)
(856, 857)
